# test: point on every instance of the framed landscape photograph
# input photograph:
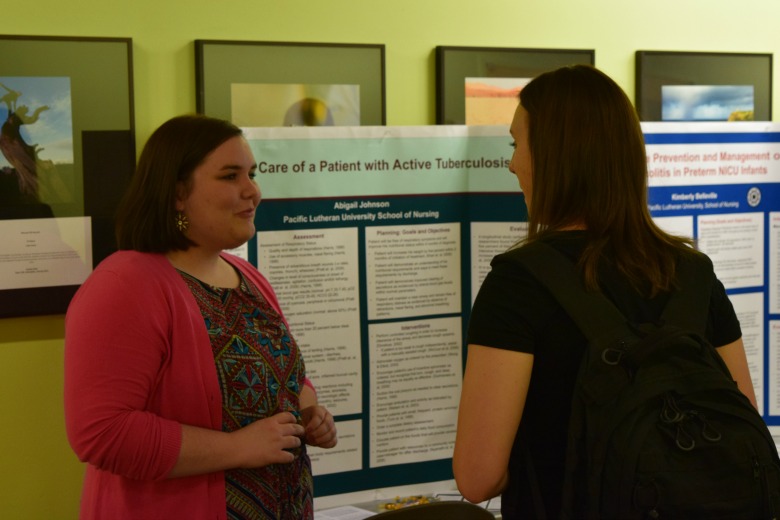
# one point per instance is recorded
(291, 84)
(480, 85)
(67, 152)
(703, 86)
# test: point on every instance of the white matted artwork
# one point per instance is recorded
(492, 101)
(707, 103)
(281, 104)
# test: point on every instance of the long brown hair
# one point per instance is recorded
(590, 169)
(146, 216)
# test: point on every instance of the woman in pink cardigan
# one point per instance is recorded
(185, 392)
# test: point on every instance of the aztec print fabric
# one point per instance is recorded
(261, 373)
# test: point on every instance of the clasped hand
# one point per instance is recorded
(275, 439)
(320, 427)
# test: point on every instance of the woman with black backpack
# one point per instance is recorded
(579, 156)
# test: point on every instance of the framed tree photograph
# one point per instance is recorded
(703, 86)
(257, 84)
(480, 85)
(67, 152)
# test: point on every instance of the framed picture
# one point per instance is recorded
(480, 85)
(703, 86)
(68, 152)
(291, 84)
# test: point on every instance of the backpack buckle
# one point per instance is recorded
(611, 356)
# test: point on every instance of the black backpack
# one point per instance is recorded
(658, 428)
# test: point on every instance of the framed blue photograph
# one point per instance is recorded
(703, 86)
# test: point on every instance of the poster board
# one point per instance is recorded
(376, 240)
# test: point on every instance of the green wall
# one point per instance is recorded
(40, 478)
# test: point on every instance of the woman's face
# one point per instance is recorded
(521, 164)
(223, 195)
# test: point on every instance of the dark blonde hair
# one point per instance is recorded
(590, 168)
(146, 216)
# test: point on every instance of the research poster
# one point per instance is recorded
(718, 183)
(376, 240)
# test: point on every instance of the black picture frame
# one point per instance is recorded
(656, 70)
(454, 64)
(99, 74)
(221, 63)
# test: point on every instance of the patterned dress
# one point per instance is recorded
(261, 373)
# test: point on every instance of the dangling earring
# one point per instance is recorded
(181, 222)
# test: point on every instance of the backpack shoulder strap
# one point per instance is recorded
(593, 312)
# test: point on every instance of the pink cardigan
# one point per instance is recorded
(138, 364)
